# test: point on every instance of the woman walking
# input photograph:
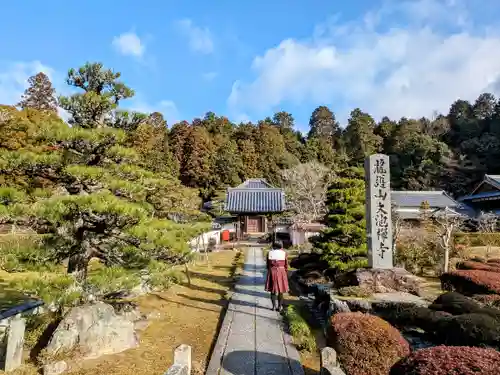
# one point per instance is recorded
(277, 274)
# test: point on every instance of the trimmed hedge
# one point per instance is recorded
(470, 282)
(414, 317)
(457, 304)
(471, 265)
(478, 239)
(365, 344)
(468, 329)
(461, 360)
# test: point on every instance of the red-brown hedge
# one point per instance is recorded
(470, 265)
(365, 344)
(471, 282)
(449, 360)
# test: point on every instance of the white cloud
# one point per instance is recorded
(401, 60)
(129, 44)
(210, 76)
(200, 39)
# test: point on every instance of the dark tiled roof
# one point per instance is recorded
(260, 200)
(437, 199)
(255, 183)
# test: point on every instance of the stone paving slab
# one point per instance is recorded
(253, 339)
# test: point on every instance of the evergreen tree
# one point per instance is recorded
(40, 94)
(343, 242)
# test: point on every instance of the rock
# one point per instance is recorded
(55, 368)
(381, 280)
(92, 331)
(338, 306)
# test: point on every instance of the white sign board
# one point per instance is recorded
(378, 211)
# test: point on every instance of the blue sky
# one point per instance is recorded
(248, 59)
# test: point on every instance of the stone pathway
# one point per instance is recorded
(252, 339)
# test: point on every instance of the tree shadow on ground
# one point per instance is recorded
(244, 362)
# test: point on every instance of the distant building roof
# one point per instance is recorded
(255, 200)
(436, 199)
(255, 183)
(255, 196)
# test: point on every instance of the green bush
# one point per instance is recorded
(113, 279)
(163, 276)
(354, 291)
(59, 290)
(300, 330)
(20, 253)
(478, 239)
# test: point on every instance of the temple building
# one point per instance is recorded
(485, 197)
(252, 203)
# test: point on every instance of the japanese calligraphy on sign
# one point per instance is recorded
(378, 211)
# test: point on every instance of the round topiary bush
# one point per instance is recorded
(457, 304)
(365, 344)
(468, 329)
(471, 282)
(471, 265)
(449, 360)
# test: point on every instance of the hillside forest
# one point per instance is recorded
(126, 188)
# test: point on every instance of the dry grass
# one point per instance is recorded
(187, 315)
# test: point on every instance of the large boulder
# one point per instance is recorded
(381, 280)
(92, 331)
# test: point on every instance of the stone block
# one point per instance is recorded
(329, 364)
(13, 354)
(182, 356)
(177, 370)
(56, 368)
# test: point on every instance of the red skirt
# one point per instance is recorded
(277, 280)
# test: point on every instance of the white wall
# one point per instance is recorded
(197, 242)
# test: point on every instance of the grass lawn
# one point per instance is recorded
(186, 315)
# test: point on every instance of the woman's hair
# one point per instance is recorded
(277, 244)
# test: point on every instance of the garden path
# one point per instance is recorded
(252, 339)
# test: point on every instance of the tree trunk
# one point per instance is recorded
(186, 269)
(446, 258)
(77, 266)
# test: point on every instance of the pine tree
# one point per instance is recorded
(40, 94)
(343, 242)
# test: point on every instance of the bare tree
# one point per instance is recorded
(306, 186)
(487, 224)
(444, 224)
(397, 223)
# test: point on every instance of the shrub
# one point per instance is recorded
(365, 344)
(113, 279)
(24, 252)
(354, 291)
(494, 262)
(460, 360)
(417, 250)
(471, 282)
(304, 259)
(492, 300)
(457, 304)
(413, 317)
(300, 330)
(163, 276)
(471, 265)
(468, 329)
(478, 239)
(59, 290)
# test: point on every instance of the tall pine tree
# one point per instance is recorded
(40, 94)
(343, 242)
